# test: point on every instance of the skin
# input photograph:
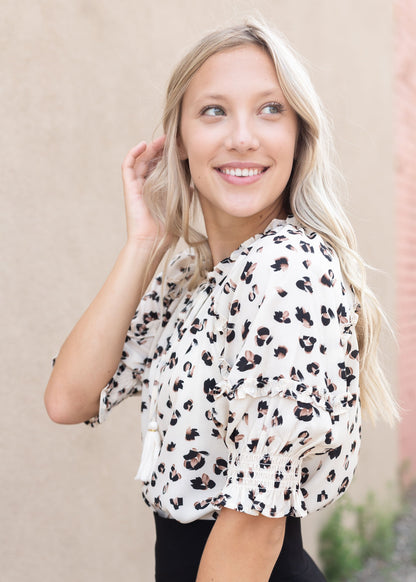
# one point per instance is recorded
(234, 115)
(234, 111)
(249, 123)
(90, 355)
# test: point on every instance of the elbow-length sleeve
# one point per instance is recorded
(290, 381)
(135, 356)
(151, 316)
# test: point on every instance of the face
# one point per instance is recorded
(239, 135)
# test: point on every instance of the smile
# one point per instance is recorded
(242, 171)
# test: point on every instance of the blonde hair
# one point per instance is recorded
(311, 191)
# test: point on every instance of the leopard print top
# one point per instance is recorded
(255, 379)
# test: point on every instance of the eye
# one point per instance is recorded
(213, 111)
(272, 108)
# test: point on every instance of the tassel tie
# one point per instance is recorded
(150, 452)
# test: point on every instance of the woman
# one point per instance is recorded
(246, 350)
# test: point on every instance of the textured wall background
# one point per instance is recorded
(405, 126)
(83, 81)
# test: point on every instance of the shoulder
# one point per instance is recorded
(288, 252)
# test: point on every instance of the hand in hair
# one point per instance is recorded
(138, 164)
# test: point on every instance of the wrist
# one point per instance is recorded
(140, 252)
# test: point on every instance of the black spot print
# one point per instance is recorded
(335, 453)
(282, 316)
(253, 293)
(313, 368)
(304, 317)
(220, 466)
(305, 411)
(307, 342)
(277, 419)
(263, 336)
(248, 361)
(306, 247)
(262, 408)
(207, 358)
(176, 502)
(326, 251)
(344, 485)
(247, 274)
(191, 434)
(281, 292)
(331, 476)
(177, 385)
(174, 475)
(246, 329)
(305, 284)
(281, 264)
(280, 352)
(202, 483)
(326, 315)
(211, 389)
(304, 475)
(194, 459)
(328, 279)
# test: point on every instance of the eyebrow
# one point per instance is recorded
(220, 97)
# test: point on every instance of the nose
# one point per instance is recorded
(242, 136)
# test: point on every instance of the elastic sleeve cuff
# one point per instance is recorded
(260, 484)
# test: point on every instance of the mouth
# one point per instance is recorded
(242, 172)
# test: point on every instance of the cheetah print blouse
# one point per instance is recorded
(256, 377)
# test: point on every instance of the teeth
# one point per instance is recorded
(241, 172)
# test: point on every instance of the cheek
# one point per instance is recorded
(284, 144)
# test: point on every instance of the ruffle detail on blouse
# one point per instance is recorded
(263, 484)
(261, 387)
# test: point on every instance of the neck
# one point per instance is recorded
(226, 233)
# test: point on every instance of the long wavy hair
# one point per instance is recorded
(312, 193)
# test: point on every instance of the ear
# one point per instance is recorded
(181, 149)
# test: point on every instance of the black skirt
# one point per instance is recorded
(179, 548)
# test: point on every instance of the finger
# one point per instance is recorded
(153, 151)
(156, 146)
(131, 158)
(146, 162)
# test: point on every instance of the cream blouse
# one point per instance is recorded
(254, 377)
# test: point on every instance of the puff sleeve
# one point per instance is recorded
(288, 374)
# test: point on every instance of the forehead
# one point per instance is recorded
(245, 68)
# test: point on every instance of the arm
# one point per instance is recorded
(241, 548)
(90, 355)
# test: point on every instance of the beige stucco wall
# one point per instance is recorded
(82, 81)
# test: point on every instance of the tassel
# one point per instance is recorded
(150, 452)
